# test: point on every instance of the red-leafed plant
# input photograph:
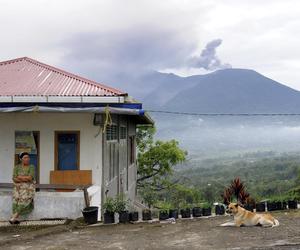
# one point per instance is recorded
(226, 196)
(236, 189)
(243, 196)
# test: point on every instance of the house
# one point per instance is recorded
(77, 132)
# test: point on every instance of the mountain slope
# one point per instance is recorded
(235, 91)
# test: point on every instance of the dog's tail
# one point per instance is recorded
(276, 223)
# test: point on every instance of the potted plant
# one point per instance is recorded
(163, 214)
(278, 204)
(249, 207)
(185, 210)
(220, 209)
(164, 211)
(284, 204)
(271, 205)
(109, 211)
(249, 204)
(292, 204)
(173, 213)
(134, 216)
(121, 205)
(146, 214)
(197, 211)
(206, 209)
(260, 207)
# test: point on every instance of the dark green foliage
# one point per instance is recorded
(273, 176)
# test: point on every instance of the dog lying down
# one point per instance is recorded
(242, 217)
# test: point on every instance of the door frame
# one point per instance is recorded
(37, 135)
(56, 133)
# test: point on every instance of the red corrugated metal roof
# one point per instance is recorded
(27, 77)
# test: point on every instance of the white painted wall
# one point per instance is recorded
(47, 124)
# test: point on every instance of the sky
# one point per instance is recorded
(97, 38)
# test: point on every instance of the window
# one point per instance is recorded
(131, 149)
(123, 133)
(67, 150)
(112, 132)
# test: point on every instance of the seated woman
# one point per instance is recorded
(24, 188)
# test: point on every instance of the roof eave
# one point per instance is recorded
(62, 99)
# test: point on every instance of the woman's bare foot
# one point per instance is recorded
(14, 219)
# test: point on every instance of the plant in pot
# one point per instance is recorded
(284, 203)
(206, 209)
(121, 205)
(133, 214)
(271, 205)
(260, 207)
(275, 204)
(249, 204)
(197, 211)
(185, 210)
(164, 211)
(146, 214)
(109, 211)
(173, 213)
(292, 204)
(220, 209)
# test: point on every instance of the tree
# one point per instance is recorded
(179, 194)
(149, 195)
(156, 159)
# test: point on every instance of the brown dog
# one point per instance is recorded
(242, 217)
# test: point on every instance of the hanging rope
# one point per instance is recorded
(108, 120)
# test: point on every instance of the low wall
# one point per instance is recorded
(47, 205)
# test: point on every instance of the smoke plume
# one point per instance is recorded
(208, 58)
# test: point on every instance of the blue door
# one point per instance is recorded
(67, 151)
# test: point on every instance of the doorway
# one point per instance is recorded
(29, 141)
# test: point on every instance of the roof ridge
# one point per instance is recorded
(66, 73)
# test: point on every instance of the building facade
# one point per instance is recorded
(77, 131)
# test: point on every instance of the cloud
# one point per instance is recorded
(129, 50)
(41, 30)
(208, 58)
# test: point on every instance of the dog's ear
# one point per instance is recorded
(236, 205)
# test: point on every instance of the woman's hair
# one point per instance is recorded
(21, 155)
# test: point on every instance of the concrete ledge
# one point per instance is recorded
(47, 205)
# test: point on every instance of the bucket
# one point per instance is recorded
(90, 215)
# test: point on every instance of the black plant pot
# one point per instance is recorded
(163, 215)
(123, 217)
(173, 213)
(90, 215)
(147, 215)
(284, 205)
(206, 211)
(278, 205)
(220, 210)
(249, 207)
(134, 216)
(185, 213)
(260, 207)
(271, 206)
(197, 212)
(293, 204)
(109, 218)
